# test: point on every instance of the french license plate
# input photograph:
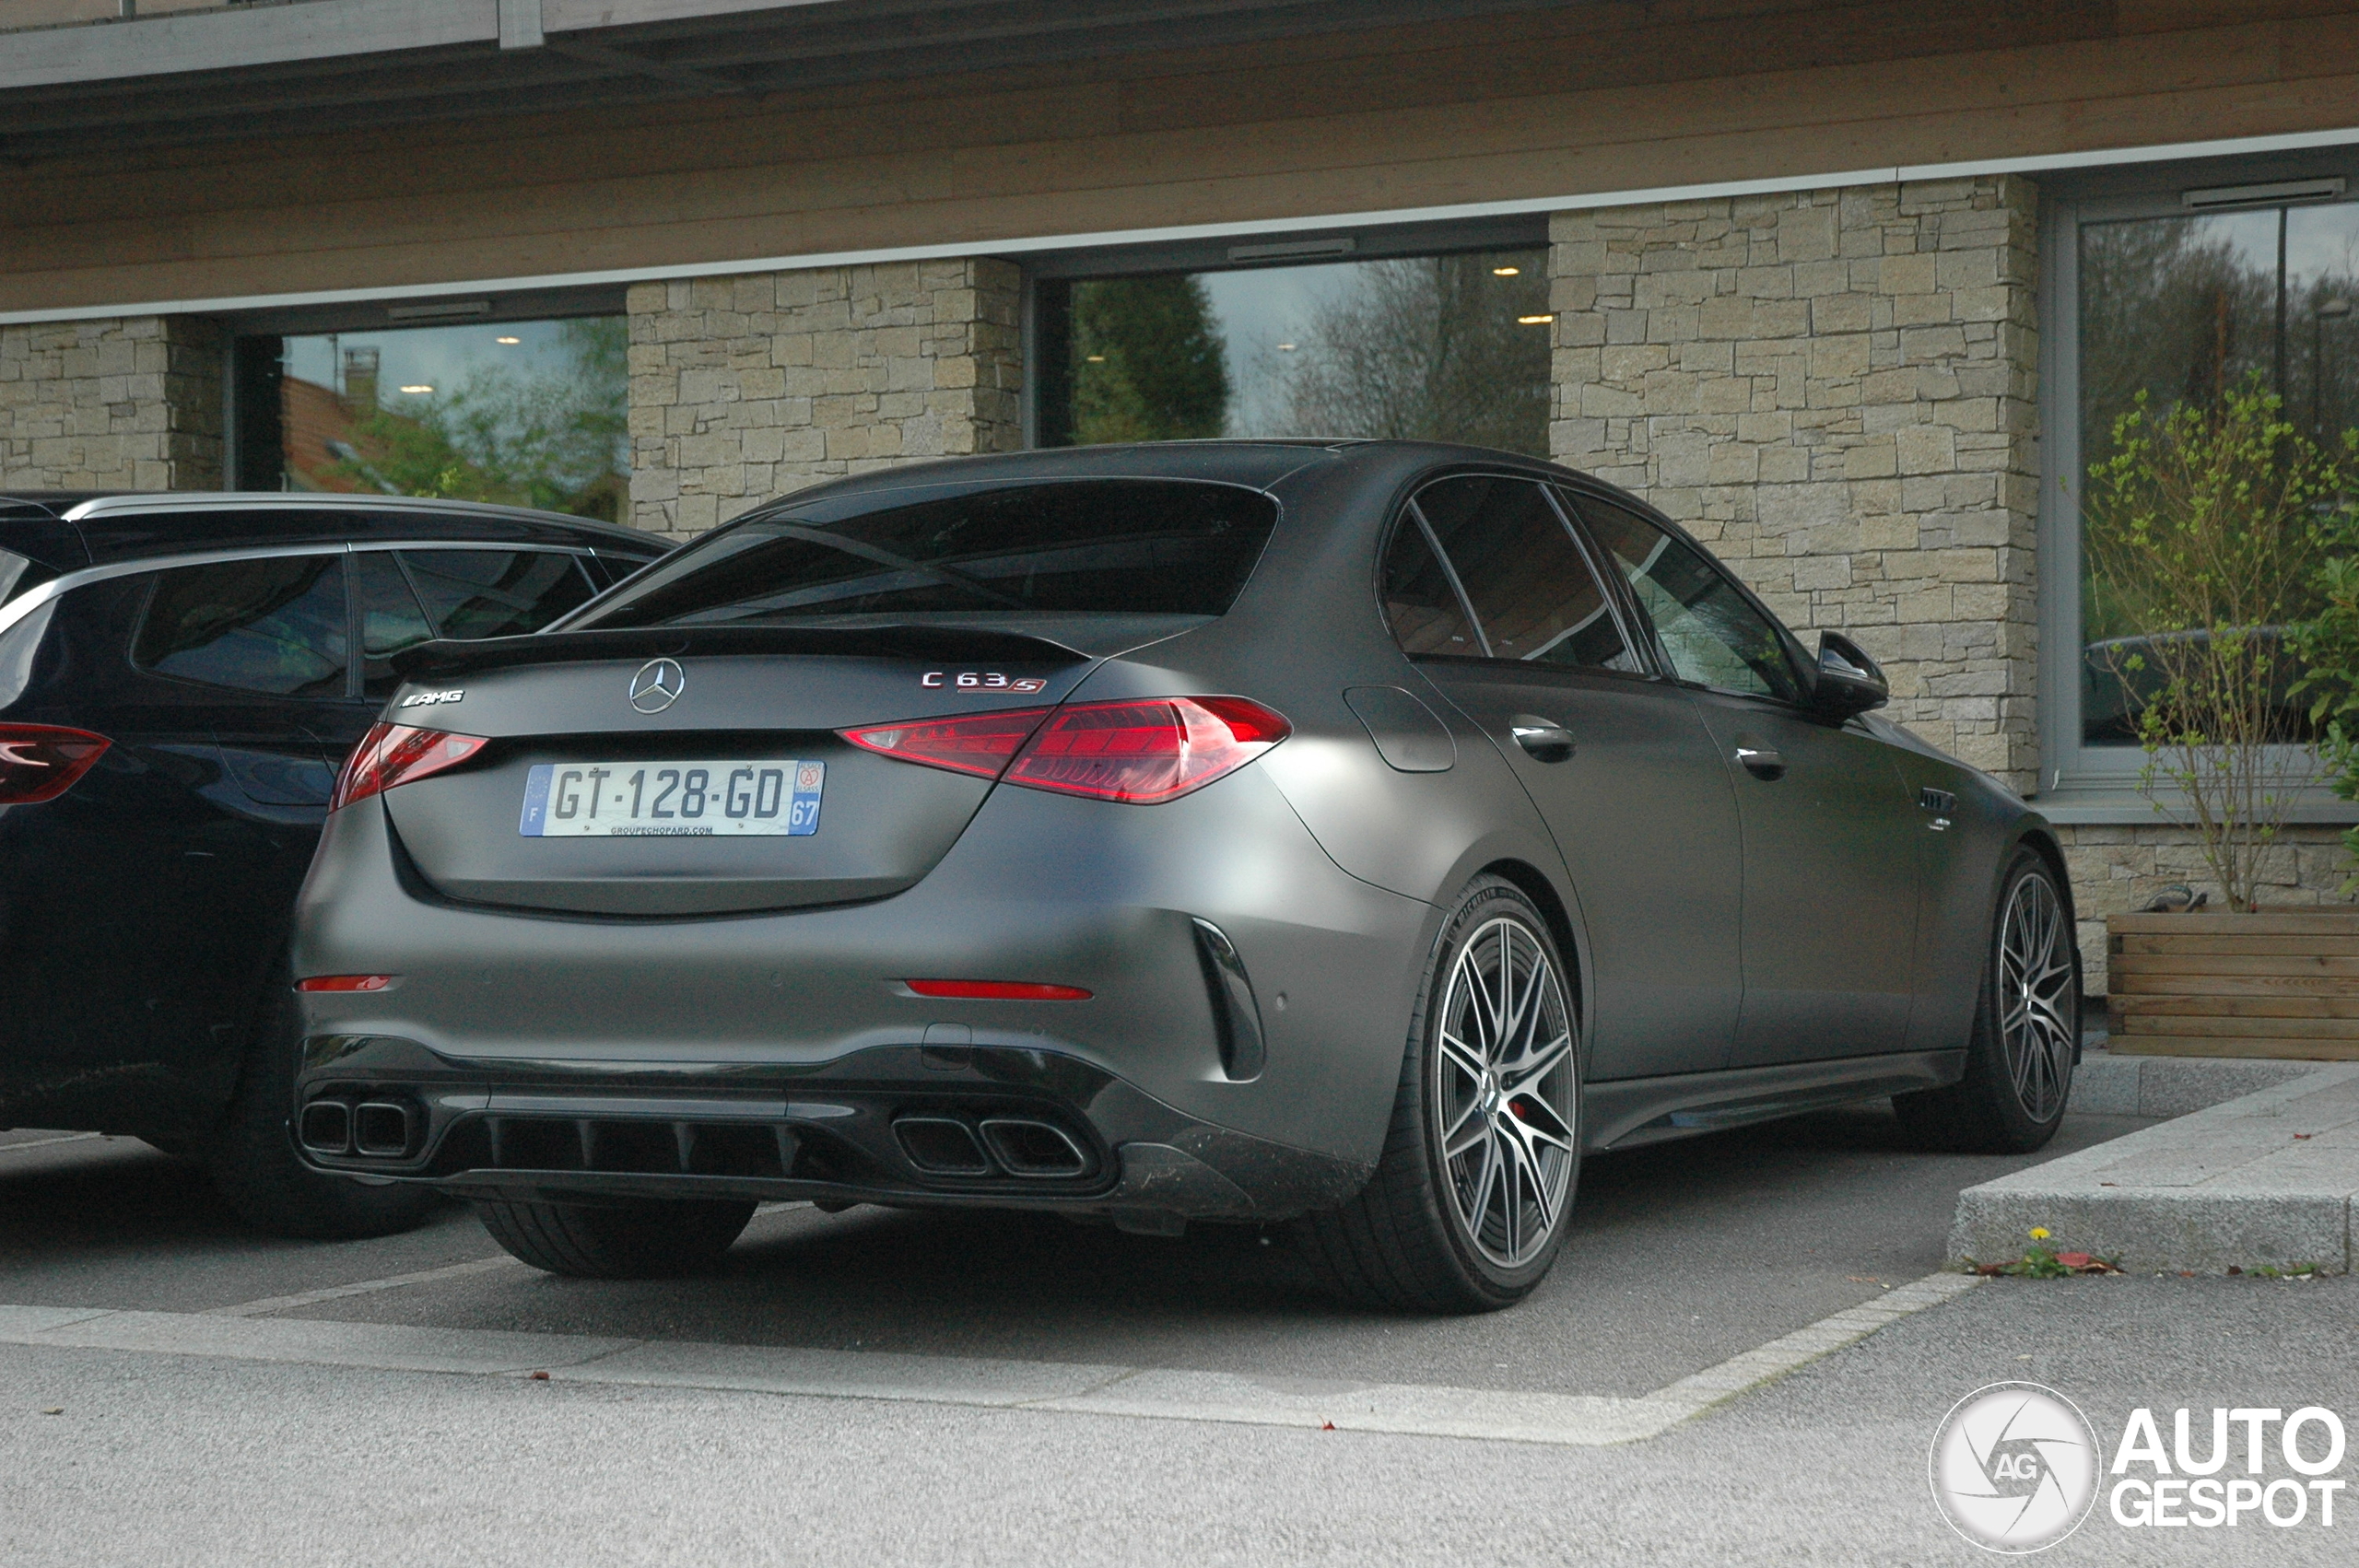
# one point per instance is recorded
(673, 799)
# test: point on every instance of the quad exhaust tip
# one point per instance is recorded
(382, 1129)
(1017, 1146)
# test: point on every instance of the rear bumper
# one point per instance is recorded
(770, 1044)
(899, 1124)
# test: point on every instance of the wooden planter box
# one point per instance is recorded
(2275, 984)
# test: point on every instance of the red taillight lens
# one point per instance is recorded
(980, 743)
(396, 753)
(1139, 752)
(40, 762)
(344, 983)
(996, 991)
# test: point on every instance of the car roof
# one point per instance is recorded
(64, 529)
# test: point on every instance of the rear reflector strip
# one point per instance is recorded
(344, 983)
(40, 762)
(996, 991)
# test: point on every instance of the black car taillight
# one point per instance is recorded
(398, 753)
(40, 762)
(1139, 752)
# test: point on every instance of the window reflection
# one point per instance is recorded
(2183, 309)
(1431, 347)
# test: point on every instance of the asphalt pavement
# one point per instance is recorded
(1681, 1258)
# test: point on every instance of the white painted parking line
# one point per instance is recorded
(1151, 1393)
(17, 1148)
(361, 1288)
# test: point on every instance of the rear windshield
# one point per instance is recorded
(1117, 546)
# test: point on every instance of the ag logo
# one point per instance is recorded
(2015, 1467)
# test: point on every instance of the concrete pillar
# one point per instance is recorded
(744, 388)
(128, 403)
(1838, 390)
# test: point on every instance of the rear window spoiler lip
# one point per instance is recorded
(446, 657)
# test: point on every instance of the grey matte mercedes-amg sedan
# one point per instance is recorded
(1345, 834)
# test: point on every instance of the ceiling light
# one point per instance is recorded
(418, 391)
(1534, 321)
(1285, 348)
(1507, 272)
(508, 340)
(1097, 359)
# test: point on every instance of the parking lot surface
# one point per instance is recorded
(1680, 1257)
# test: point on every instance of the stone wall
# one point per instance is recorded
(115, 404)
(1836, 391)
(744, 388)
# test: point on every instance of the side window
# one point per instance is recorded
(1419, 602)
(474, 594)
(1713, 636)
(274, 626)
(1532, 592)
(391, 618)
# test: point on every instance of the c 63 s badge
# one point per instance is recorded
(427, 699)
(979, 680)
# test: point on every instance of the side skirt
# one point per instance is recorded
(1629, 1112)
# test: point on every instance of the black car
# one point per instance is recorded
(1352, 834)
(181, 676)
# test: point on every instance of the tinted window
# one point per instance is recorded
(1533, 595)
(391, 618)
(1419, 602)
(1712, 635)
(16, 572)
(1124, 545)
(274, 625)
(475, 593)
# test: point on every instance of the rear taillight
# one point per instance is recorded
(1140, 752)
(343, 982)
(40, 762)
(396, 753)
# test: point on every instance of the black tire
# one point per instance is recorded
(643, 1240)
(1406, 1241)
(2018, 1061)
(252, 1162)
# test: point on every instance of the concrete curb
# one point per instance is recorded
(2106, 1084)
(2269, 1178)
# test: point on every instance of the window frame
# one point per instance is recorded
(1800, 660)
(2078, 782)
(1610, 591)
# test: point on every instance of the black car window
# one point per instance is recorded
(274, 625)
(1143, 547)
(17, 571)
(1532, 593)
(477, 594)
(391, 618)
(1420, 604)
(1712, 634)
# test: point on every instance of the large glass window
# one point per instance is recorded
(1450, 348)
(522, 413)
(2180, 310)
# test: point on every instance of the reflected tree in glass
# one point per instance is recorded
(1148, 364)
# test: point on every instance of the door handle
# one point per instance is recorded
(1762, 761)
(1545, 739)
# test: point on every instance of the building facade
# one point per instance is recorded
(1856, 291)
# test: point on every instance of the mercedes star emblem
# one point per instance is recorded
(657, 685)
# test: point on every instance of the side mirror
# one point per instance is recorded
(1847, 681)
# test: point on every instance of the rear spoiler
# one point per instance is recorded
(448, 656)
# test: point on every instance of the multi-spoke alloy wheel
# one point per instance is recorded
(2036, 997)
(1466, 1209)
(2018, 1059)
(1504, 1092)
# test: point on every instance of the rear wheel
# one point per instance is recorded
(1466, 1209)
(252, 1161)
(2026, 1026)
(643, 1240)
